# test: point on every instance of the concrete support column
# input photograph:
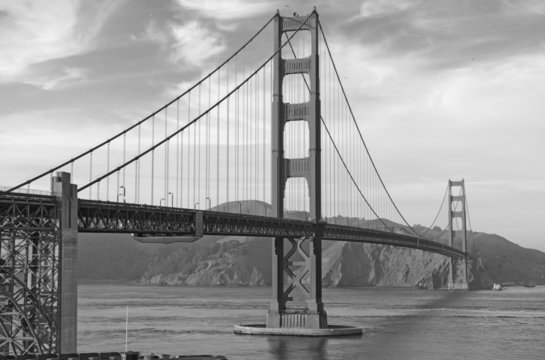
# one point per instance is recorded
(67, 213)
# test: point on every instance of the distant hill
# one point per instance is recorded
(246, 261)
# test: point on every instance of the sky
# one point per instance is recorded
(442, 89)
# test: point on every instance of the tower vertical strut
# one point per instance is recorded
(292, 276)
(457, 279)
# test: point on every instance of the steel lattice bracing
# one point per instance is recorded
(29, 260)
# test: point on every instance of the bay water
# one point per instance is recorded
(397, 323)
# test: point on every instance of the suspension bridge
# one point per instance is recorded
(271, 126)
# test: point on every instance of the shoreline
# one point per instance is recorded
(377, 288)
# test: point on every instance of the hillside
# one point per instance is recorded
(246, 261)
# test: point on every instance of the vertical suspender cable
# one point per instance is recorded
(90, 172)
(245, 134)
(178, 154)
(167, 163)
(199, 147)
(117, 192)
(152, 156)
(329, 151)
(237, 120)
(189, 151)
(108, 170)
(137, 170)
(195, 155)
(208, 144)
(337, 126)
(124, 158)
(255, 122)
(182, 162)
(218, 149)
(271, 91)
(263, 182)
(228, 142)
(189, 146)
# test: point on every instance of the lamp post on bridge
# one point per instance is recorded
(121, 192)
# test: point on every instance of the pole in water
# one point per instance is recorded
(126, 328)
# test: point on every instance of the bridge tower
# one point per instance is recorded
(457, 267)
(292, 276)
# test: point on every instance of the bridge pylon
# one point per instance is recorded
(297, 262)
(457, 276)
(67, 239)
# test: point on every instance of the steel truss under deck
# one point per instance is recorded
(30, 252)
(147, 220)
(29, 263)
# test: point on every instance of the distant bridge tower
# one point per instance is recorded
(457, 267)
(297, 270)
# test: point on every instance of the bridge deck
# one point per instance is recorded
(146, 220)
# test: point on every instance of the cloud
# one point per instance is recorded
(190, 43)
(193, 43)
(227, 10)
(378, 8)
(154, 34)
(69, 76)
(36, 31)
(531, 6)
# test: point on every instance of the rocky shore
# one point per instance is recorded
(242, 261)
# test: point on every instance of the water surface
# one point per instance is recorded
(397, 323)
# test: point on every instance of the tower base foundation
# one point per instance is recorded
(331, 330)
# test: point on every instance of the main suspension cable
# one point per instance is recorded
(147, 117)
(359, 132)
(339, 154)
(438, 211)
(202, 114)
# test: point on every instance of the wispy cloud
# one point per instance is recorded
(35, 31)
(194, 43)
(377, 8)
(190, 43)
(228, 10)
(531, 6)
(49, 82)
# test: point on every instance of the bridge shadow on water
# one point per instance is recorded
(386, 338)
(401, 336)
(297, 347)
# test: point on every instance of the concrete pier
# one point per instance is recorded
(331, 330)
(67, 239)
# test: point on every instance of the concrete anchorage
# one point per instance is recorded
(297, 262)
(67, 238)
(457, 276)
